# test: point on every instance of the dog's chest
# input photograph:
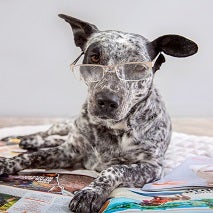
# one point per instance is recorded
(110, 148)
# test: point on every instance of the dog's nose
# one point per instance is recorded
(107, 101)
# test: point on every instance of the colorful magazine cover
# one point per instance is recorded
(133, 200)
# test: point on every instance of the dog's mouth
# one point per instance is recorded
(104, 117)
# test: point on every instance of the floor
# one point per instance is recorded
(196, 126)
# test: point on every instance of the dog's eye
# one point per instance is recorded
(95, 59)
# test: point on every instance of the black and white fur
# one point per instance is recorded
(126, 143)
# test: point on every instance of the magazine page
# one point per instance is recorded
(10, 149)
(193, 172)
(64, 184)
(136, 200)
(15, 200)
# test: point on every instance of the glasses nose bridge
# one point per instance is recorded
(107, 68)
(111, 69)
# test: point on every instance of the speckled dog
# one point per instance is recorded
(123, 130)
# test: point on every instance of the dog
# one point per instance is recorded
(123, 129)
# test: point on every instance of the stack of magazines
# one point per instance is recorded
(188, 188)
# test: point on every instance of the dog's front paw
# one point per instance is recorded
(3, 167)
(31, 142)
(25, 142)
(88, 200)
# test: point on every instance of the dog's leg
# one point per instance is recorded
(54, 136)
(65, 155)
(92, 197)
(39, 140)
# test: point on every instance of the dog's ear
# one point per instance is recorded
(175, 45)
(81, 30)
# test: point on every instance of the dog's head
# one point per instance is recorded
(121, 85)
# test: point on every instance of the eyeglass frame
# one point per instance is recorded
(149, 64)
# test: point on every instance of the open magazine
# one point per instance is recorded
(188, 188)
(136, 200)
(41, 192)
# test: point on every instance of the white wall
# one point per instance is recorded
(36, 48)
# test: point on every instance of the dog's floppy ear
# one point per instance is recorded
(175, 45)
(81, 30)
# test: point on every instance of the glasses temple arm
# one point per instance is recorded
(77, 59)
(158, 62)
